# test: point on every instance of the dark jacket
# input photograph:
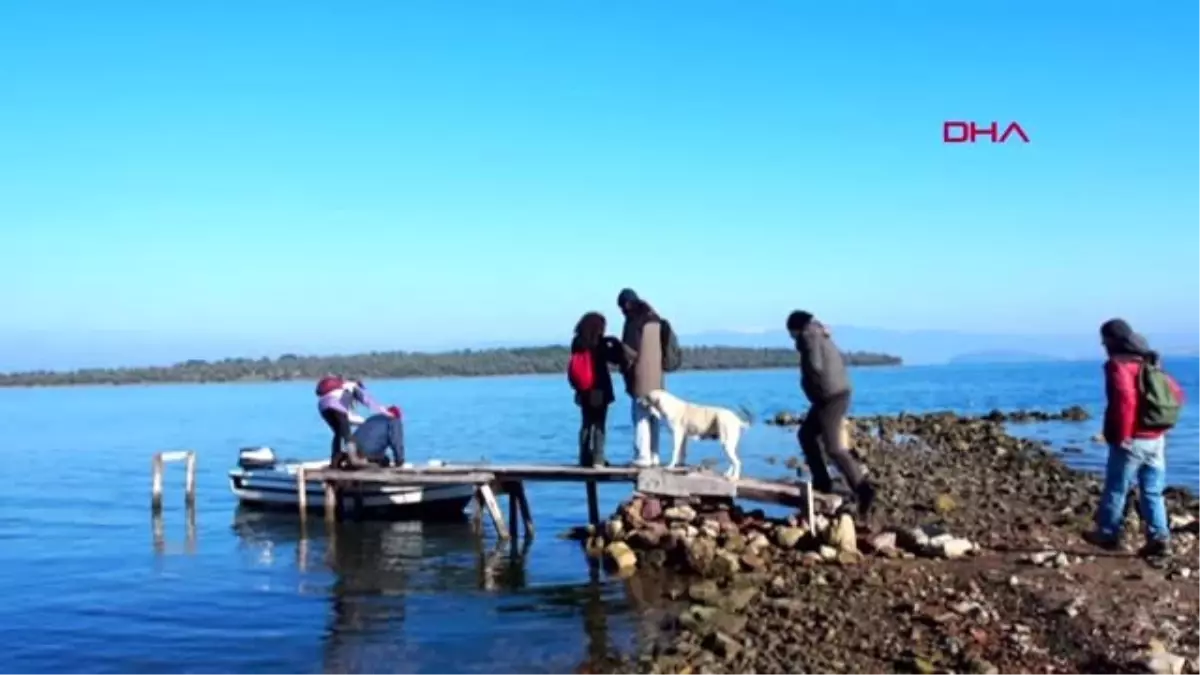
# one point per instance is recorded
(642, 365)
(606, 352)
(377, 434)
(822, 371)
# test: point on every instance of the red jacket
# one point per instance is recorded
(1121, 386)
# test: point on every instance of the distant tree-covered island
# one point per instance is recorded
(393, 365)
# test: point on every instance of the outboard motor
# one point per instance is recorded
(257, 457)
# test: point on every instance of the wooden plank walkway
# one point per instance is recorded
(492, 479)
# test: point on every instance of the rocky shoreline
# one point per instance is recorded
(972, 562)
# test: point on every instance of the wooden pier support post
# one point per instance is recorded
(331, 501)
(526, 515)
(302, 491)
(514, 510)
(477, 513)
(493, 508)
(593, 501)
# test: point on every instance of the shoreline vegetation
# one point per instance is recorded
(401, 365)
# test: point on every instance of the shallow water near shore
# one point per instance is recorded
(92, 585)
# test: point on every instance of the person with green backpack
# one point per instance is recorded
(1144, 402)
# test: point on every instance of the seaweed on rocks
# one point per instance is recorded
(972, 562)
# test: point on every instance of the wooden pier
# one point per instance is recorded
(493, 480)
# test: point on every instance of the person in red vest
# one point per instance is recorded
(1144, 403)
(589, 377)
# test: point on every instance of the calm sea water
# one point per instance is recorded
(91, 586)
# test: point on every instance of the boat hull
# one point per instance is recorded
(274, 488)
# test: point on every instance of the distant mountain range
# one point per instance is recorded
(1003, 356)
(34, 350)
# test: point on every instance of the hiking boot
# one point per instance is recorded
(585, 448)
(1101, 541)
(1155, 548)
(865, 496)
(598, 458)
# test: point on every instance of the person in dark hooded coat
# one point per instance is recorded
(826, 384)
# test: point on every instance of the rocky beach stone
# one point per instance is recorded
(951, 587)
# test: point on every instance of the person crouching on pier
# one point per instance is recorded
(336, 399)
(380, 433)
(826, 384)
(589, 377)
(1143, 404)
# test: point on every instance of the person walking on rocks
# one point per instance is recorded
(650, 350)
(826, 384)
(1143, 403)
(588, 375)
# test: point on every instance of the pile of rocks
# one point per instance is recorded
(973, 563)
(1070, 414)
(719, 540)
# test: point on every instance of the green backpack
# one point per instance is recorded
(1158, 407)
(671, 353)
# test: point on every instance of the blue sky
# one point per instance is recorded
(323, 176)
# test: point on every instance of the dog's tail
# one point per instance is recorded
(747, 416)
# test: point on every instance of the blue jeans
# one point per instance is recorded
(646, 434)
(1145, 462)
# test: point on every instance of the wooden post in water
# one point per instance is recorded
(477, 513)
(302, 490)
(189, 481)
(526, 515)
(189, 541)
(158, 464)
(331, 501)
(593, 504)
(514, 510)
(156, 482)
(489, 500)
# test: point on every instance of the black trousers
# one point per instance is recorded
(339, 424)
(594, 419)
(820, 436)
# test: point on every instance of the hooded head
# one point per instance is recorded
(801, 323)
(1119, 339)
(797, 321)
(626, 300)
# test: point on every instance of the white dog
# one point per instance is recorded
(701, 422)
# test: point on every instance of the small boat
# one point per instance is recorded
(263, 481)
